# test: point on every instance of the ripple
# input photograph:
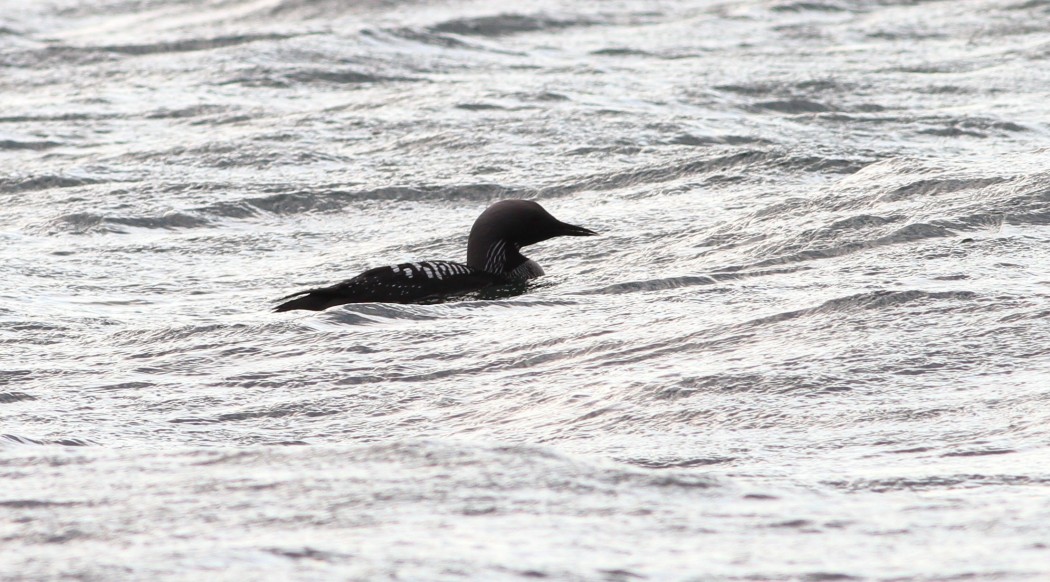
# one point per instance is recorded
(650, 285)
(505, 24)
(66, 442)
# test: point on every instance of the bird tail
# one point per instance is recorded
(313, 300)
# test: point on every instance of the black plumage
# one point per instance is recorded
(493, 258)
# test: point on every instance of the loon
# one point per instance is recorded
(493, 258)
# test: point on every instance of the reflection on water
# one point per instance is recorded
(809, 343)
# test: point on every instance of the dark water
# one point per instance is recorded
(812, 342)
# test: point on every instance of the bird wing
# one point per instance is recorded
(404, 283)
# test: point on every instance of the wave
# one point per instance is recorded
(290, 409)
(89, 222)
(10, 397)
(14, 185)
(328, 199)
(188, 45)
(980, 127)
(285, 77)
(727, 338)
(872, 300)
(505, 24)
(936, 186)
(724, 166)
(748, 161)
(809, 7)
(321, 199)
(792, 106)
(845, 235)
(651, 285)
(890, 202)
(786, 251)
(934, 483)
(689, 139)
(21, 440)
(37, 145)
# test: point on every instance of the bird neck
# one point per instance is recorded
(495, 256)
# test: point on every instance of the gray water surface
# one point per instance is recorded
(812, 342)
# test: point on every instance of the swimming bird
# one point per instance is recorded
(493, 258)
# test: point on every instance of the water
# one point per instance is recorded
(810, 344)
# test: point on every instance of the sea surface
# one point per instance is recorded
(811, 343)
